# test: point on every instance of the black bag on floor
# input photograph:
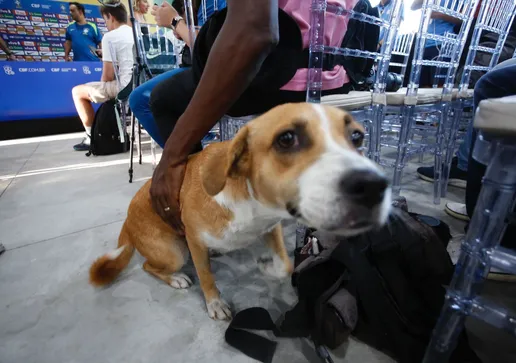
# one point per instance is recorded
(385, 287)
(106, 137)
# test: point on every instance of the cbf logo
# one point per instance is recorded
(63, 8)
(86, 70)
(9, 70)
(85, 31)
(18, 3)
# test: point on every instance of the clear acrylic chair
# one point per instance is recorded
(160, 47)
(401, 50)
(390, 119)
(374, 101)
(495, 147)
(458, 9)
(495, 16)
(159, 52)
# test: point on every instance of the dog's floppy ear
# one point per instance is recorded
(234, 163)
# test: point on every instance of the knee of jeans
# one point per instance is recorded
(137, 99)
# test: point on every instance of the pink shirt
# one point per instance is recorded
(334, 30)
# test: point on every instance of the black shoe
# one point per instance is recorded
(457, 177)
(84, 145)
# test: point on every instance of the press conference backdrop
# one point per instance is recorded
(35, 29)
(38, 90)
(39, 85)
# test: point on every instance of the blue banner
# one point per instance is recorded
(34, 90)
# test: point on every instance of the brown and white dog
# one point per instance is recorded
(296, 161)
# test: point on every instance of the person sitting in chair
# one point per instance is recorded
(118, 44)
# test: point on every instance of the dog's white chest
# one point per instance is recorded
(251, 221)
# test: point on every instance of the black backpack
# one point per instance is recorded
(385, 287)
(362, 36)
(106, 137)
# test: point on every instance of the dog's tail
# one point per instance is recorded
(106, 268)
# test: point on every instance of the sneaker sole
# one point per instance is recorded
(458, 183)
(456, 215)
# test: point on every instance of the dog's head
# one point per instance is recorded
(303, 160)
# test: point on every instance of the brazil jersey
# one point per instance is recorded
(83, 38)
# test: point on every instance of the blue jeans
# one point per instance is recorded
(139, 103)
(463, 152)
(499, 82)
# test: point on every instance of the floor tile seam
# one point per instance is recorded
(19, 170)
(64, 235)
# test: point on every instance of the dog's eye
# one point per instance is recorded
(287, 140)
(357, 137)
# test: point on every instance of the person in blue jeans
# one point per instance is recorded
(440, 25)
(166, 16)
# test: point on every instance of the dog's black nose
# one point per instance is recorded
(364, 187)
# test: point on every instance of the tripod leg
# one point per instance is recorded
(140, 143)
(131, 152)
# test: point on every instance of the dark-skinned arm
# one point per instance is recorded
(249, 33)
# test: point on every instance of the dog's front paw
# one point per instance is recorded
(275, 267)
(179, 280)
(218, 309)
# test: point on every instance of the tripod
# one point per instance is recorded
(140, 70)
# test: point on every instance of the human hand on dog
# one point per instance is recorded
(164, 191)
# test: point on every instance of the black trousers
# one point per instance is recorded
(170, 98)
(426, 79)
(497, 83)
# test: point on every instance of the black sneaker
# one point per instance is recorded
(457, 176)
(84, 145)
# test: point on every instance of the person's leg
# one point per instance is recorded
(463, 151)
(139, 104)
(492, 85)
(465, 148)
(83, 96)
(427, 73)
(82, 101)
(169, 100)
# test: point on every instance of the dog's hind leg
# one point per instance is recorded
(164, 262)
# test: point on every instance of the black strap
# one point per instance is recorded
(329, 60)
(252, 345)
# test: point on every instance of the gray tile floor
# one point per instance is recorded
(60, 210)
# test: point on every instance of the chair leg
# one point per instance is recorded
(131, 148)
(375, 132)
(438, 154)
(406, 126)
(450, 146)
(495, 202)
(424, 142)
(153, 153)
